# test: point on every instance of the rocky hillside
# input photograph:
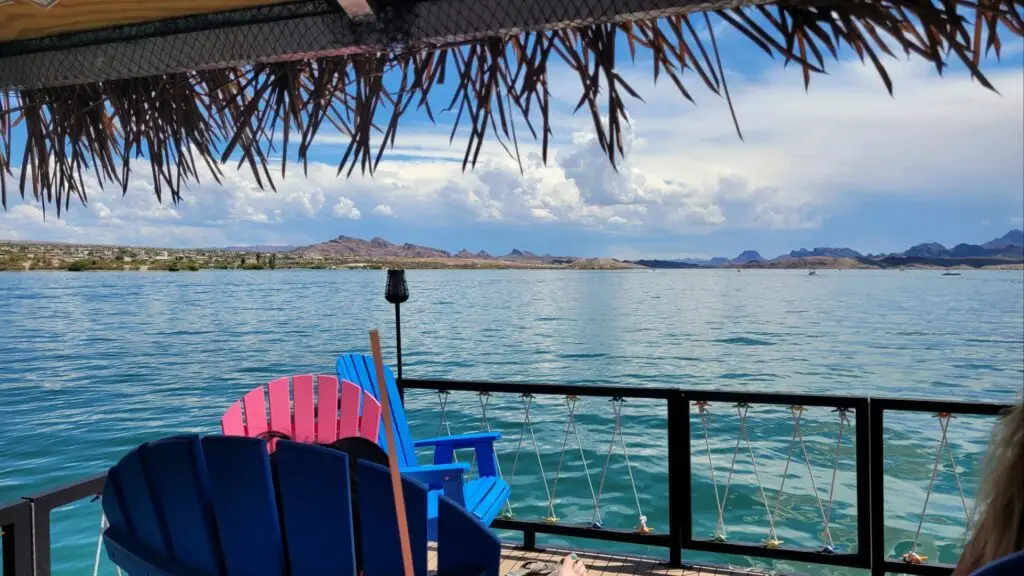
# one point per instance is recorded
(344, 250)
(1005, 250)
(815, 262)
(374, 249)
(1012, 239)
(1009, 245)
(747, 256)
(822, 252)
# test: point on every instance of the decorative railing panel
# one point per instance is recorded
(938, 448)
(571, 460)
(770, 480)
(787, 464)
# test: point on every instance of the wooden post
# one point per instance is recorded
(389, 433)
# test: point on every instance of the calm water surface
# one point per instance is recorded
(93, 364)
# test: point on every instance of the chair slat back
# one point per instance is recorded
(380, 538)
(348, 426)
(129, 505)
(306, 411)
(177, 475)
(244, 505)
(255, 413)
(327, 411)
(464, 544)
(359, 368)
(370, 421)
(231, 424)
(280, 407)
(189, 507)
(304, 414)
(174, 476)
(315, 497)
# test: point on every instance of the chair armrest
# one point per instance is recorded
(435, 474)
(482, 444)
(460, 441)
(444, 477)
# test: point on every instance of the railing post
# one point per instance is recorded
(680, 527)
(41, 507)
(41, 539)
(865, 515)
(529, 540)
(877, 496)
(16, 539)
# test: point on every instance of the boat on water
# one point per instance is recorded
(812, 273)
(950, 273)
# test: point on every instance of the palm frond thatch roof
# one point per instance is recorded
(177, 95)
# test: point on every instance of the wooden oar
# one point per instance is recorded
(389, 433)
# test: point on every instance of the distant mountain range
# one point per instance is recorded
(1007, 250)
(376, 248)
(1013, 238)
(379, 248)
(1009, 246)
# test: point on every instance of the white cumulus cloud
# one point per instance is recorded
(685, 171)
(346, 208)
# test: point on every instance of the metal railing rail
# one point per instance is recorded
(16, 538)
(680, 536)
(878, 408)
(869, 470)
(26, 523)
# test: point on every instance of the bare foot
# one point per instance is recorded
(572, 566)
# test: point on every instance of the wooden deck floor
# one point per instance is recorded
(602, 564)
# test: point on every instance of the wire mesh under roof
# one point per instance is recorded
(199, 89)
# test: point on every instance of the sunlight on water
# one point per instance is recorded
(93, 364)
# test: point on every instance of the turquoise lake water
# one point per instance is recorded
(95, 363)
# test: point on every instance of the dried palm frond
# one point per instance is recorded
(175, 121)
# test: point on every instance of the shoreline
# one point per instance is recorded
(18, 257)
(507, 266)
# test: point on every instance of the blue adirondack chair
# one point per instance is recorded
(483, 496)
(186, 506)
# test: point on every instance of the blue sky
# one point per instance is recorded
(842, 165)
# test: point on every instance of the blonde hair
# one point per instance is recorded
(999, 510)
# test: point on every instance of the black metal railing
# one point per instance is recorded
(880, 563)
(26, 523)
(870, 552)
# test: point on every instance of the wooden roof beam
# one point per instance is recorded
(24, 19)
(297, 30)
(358, 10)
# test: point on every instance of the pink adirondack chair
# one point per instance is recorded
(329, 414)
